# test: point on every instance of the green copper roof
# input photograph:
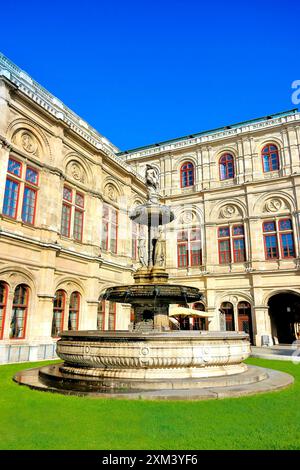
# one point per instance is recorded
(211, 131)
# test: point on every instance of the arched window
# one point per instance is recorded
(101, 314)
(226, 166)
(19, 312)
(187, 175)
(270, 158)
(198, 322)
(58, 313)
(112, 311)
(74, 307)
(3, 301)
(244, 318)
(227, 310)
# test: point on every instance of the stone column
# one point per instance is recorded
(261, 325)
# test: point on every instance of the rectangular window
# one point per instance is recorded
(112, 316)
(32, 176)
(28, 209)
(182, 250)
(287, 245)
(104, 228)
(281, 230)
(14, 167)
(114, 231)
(224, 251)
(65, 220)
(239, 250)
(271, 246)
(11, 196)
(78, 224)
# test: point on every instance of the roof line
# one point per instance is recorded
(217, 129)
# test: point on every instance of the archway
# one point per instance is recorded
(284, 309)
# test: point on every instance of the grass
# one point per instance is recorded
(38, 420)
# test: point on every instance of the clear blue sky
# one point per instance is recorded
(145, 71)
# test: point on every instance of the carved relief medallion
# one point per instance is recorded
(273, 205)
(29, 142)
(228, 211)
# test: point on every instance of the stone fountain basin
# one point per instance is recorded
(151, 293)
(122, 355)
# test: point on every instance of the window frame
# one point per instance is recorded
(225, 155)
(25, 308)
(186, 172)
(73, 309)
(3, 305)
(188, 242)
(230, 238)
(268, 154)
(57, 309)
(278, 233)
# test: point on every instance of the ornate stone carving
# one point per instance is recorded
(76, 171)
(229, 211)
(27, 141)
(187, 217)
(111, 192)
(274, 205)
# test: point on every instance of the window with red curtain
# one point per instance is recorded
(270, 158)
(58, 313)
(78, 216)
(226, 166)
(3, 302)
(19, 312)
(74, 307)
(187, 175)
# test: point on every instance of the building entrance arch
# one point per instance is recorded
(284, 310)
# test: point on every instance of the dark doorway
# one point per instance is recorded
(284, 312)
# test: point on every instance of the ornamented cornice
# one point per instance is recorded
(26, 85)
(211, 136)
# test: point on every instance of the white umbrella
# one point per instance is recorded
(177, 311)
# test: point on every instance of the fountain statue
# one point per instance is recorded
(150, 357)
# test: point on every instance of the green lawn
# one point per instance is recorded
(39, 420)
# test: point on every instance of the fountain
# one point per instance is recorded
(150, 360)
